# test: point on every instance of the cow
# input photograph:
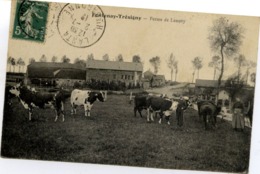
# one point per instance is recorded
(85, 98)
(162, 105)
(31, 99)
(140, 102)
(209, 111)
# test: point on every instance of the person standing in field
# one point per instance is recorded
(182, 105)
(238, 121)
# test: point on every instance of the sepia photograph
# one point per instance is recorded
(129, 87)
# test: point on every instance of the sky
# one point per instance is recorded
(157, 33)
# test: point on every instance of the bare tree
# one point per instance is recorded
(54, 58)
(197, 65)
(176, 70)
(20, 63)
(225, 39)
(155, 62)
(172, 65)
(136, 58)
(65, 59)
(106, 57)
(91, 56)
(13, 63)
(215, 61)
(119, 58)
(43, 58)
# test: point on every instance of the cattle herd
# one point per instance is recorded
(164, 106)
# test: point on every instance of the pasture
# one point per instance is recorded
(112, 135)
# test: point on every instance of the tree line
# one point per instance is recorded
(225, 38)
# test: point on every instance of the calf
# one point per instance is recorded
(31, 99)
(85, 98)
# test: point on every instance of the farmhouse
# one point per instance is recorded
(206, 89)
(128, 72)
(55, 74)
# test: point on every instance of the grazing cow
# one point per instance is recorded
(85, 98)
(209, 111)
(162, 105)
(32, 99)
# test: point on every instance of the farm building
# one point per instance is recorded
(55, 74)
(155, 80)
(206, 89)
(128, 72)
(14, 77)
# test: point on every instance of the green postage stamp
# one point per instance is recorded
(30, 20)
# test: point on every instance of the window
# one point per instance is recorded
(114, 76)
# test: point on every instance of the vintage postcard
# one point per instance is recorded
(129, 87)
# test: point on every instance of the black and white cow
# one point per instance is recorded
(85, 98)
(162, 105)
(30, 99)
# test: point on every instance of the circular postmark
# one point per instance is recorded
(32, 19)
(81, 25)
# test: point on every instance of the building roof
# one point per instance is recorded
(55, 65)
(56, 70)
(208, 83)
(114, 65)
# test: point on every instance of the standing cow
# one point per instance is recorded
(85, 98)
(140, 103)
(209, 111)
(30, 99)
(162, 105)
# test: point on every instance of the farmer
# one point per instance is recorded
(238, 121)
(179, 111)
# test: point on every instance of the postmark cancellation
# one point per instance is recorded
(81, 25)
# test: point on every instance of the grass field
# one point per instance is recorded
(112, 135)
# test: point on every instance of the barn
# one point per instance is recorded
(128, 72)
(55, 74)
